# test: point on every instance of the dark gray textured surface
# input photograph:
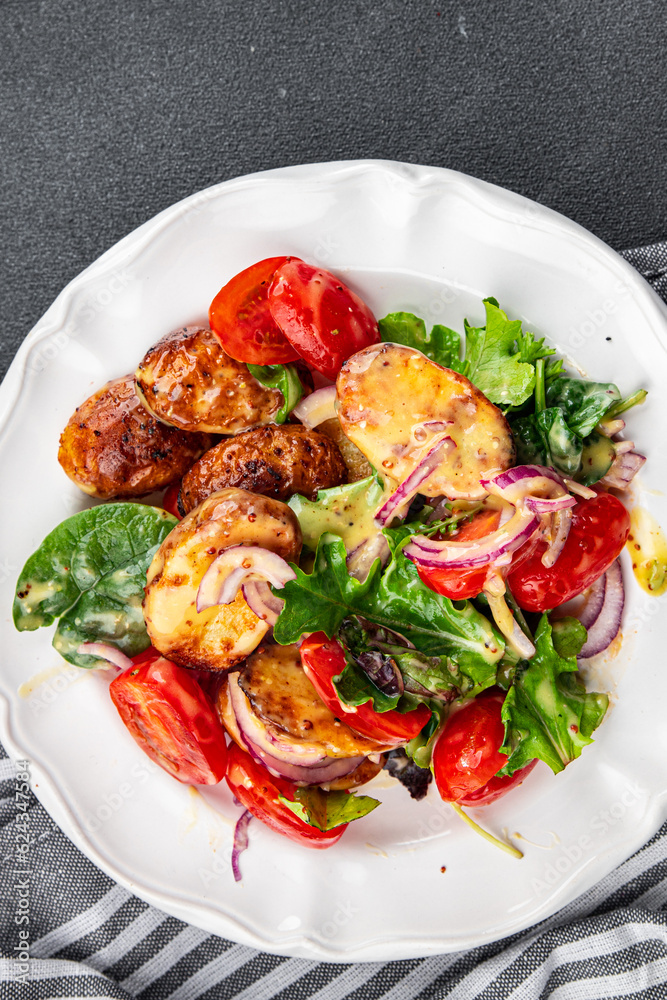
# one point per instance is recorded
(110, 112)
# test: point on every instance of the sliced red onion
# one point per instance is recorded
(593, 601)
(260, 598)
(549, 505)
(560, 529)
(105, 652)
(267, 738)
(579, 489)
(522, 472)
(508, 625)
(240, 842)
(316, 408)
(330, 769)
(506, 539)
(610, 427)
(234, 567)
(362, 556)
(623, 470)
(410, 486)
(604, 628)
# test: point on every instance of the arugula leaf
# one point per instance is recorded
(582, 403)
(90, 572)
(283, 377)
(491, 361)
(396, 599)
(548, 713)
(327, 810)
(441, 345)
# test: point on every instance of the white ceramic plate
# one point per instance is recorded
(406, 237)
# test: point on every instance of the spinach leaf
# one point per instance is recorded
(548, 713)
(327, 810)
(90, 572)
(283, 377)
(441, 345)
(582, 403)
(396, 599)
(544, 438)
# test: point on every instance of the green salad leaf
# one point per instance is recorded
(441, 345)
(396, 599)
(90, 573)
(283, 377)
(548, 713)
(582, 403)
(544, 438)
(327, 810)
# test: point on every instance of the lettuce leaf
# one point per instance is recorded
(283, 377)
(548, 713)
(327, 810)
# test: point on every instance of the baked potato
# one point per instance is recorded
(358, 466)
(395, 405)
(221, 636)
(188, 381)
(275, 461)
(112, 446)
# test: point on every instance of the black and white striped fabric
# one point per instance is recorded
(92, 938)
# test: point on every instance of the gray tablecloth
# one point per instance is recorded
(91, 938)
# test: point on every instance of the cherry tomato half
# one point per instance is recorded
(459, 584)
(322, 660)
(241, 319)
(598, 532)
(171, 719)
(258, 791)
(320, 316)
(466, 757)
(170, 500)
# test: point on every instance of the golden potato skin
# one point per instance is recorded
(218, 637)
(188, 381)
(112, 446)
(395, 404)
(275, 461)
(358, 466)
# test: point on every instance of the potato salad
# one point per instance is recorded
(378, 547)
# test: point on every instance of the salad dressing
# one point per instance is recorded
(647, 546)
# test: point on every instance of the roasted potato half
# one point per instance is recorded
(218, 637)
(358, 467)
(395, 404)
(188, 381)
(112, 446)
(275, 461)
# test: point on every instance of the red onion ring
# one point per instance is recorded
(406, 491)
(240, 842)
(260, 598)
(523, 472)
(506, 539)
(105, 652)
(362, 556)
(266, 737)
(605, 626)
(316, 408)
(560, 529)
(508, 625)
(623, 470)
(235, 566)
(329, 770)
(579, 489)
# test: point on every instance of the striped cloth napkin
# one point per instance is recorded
(91, 938)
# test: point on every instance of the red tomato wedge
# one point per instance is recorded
(322, 660)
(599, 531)
(170, 500)
(241, 319)
(171, 719)
(466, 757)
(320, 316)
(460, 584)
(259, 792)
